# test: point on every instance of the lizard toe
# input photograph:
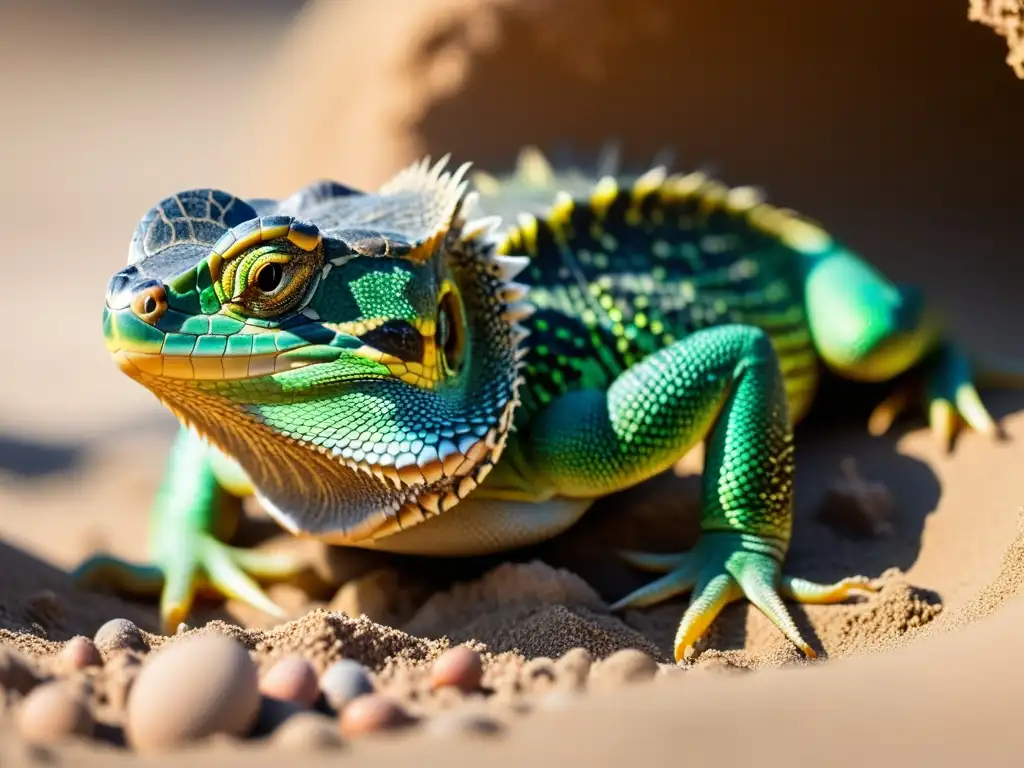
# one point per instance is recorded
(679, 579)
(206, 566)
(950, 398)
(722, 569)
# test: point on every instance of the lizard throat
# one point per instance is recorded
(339, 495)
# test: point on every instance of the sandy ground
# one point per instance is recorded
(927, 670)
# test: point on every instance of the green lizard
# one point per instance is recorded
(369, 366)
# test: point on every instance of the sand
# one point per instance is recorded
(1004, 18)
(925, 670)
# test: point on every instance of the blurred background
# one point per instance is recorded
(895, 122)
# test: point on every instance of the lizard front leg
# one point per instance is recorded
(197, 507)
(722, 383)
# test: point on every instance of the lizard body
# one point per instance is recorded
(382, 371)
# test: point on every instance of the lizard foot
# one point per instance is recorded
(725, 567)
(207, 565)
(951, 399)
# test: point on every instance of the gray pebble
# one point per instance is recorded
(274, 713)
(120, 635)
(344, 681)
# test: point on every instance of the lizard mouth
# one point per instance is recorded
(142, 350)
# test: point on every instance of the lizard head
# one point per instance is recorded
(356, 354)
(865, 327)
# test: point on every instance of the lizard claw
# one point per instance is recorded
(207, 564)
(951, 399)
(722, 569)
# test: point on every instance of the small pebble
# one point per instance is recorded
(454, 724)
(372, 713)
(191, 690)
(274, 713)
(291, 679)
(15, 672)
(626, 667)
(307, 731)
(574, 666)
(344, 681)
(460, 667)
(119, 635)
(52, 712)
(80, 652)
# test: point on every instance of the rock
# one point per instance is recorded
(194, 688)
(291, 679)
(625, 667)
(80, 652)
(372, 713)
(53, 712)
(308, 731)
(460, 667)
(120, 635)
(344, 681)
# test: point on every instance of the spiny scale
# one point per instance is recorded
(639, 262)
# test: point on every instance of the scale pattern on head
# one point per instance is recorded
(357, 353)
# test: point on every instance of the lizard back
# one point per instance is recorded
(627, 265)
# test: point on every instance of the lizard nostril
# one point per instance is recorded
(150, 304)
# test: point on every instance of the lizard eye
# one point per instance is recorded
(268, 278)
(269, 282)
(450, 334)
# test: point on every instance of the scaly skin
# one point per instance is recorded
(358, 362)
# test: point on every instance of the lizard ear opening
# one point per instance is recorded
(450, 334)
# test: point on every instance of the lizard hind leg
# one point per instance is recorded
(722, 383)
